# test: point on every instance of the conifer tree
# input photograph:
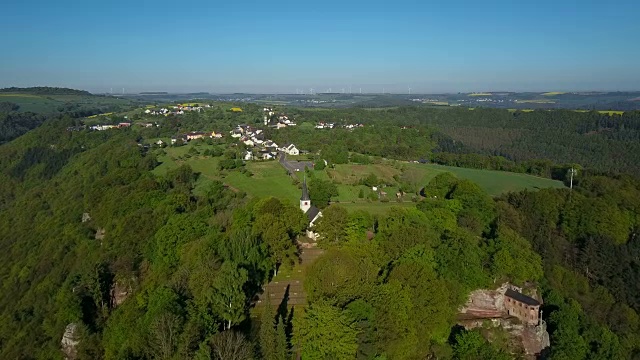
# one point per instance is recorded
(281, 346)
(267, 332)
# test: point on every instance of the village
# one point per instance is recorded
(257, 146)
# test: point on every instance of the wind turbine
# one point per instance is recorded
(409, 91)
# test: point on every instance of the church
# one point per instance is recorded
(312, 212)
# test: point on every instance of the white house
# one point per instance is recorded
(270, 143)
(195, 135)
(290, 149)
(248, 155)
(267, 155)
(256, 140)
(237, 132)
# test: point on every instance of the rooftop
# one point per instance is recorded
(312, 213)
(521, 298)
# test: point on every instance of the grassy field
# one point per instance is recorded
(493, 182)
(269, 177)
(350, 174)
(553, 93)
(534, 101)
(375, 208)
(439, 103)
(480, 94)
(34, 103)
(608, 112)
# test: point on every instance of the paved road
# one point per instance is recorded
(294, 166)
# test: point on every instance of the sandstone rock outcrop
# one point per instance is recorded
(487, 309)
(70, 341)
(120, 291)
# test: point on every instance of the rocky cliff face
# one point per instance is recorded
(529, 340)
(70, 341)
(120, 291)
(484, 304)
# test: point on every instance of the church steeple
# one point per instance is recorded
(305, 200)
(305, 192)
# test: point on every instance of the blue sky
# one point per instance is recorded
(278, 46)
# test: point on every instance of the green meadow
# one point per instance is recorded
(492, 181)
(267, 178)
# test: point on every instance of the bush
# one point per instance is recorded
(370, 180)
(6, 106)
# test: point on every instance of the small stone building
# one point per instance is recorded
(525, 308)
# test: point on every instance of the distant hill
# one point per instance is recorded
(45, 90)
(24, 109)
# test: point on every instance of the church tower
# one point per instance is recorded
(305, 201)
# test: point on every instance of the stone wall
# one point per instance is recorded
(524, 312)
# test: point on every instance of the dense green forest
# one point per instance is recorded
(149, 268)
(14, 124)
